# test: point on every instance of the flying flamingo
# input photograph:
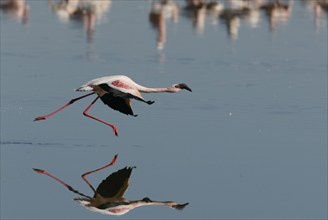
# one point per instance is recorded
(116, 92)
(108, 197)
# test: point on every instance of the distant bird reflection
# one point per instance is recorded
(86, 11)
(277, 12)
(17, 9)
(231, 13)
(323, 4)
(319, 9)
(237, 10)
(196, 10)
(231, 16)
(108, 197)
(159, 12)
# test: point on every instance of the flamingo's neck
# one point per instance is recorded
(153, 90)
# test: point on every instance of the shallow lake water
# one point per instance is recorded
(249, 142)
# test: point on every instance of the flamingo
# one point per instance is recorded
(108, 197)
(116, 92)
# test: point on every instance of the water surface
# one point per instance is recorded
(250, 141)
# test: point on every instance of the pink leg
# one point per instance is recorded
(61, 108)
(60, 181)
(93, 171)
(85, 113)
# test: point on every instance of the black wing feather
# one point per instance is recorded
(115, 184)
(117, 103)
(120, 103)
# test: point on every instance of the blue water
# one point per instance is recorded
(250, 141)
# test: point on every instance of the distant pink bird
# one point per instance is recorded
(108, 197)
(116, 92)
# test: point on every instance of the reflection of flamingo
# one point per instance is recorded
(116, 92)
(108, 197)
(323, 4)
(231, 18)
(318, 7)
(17, 8)
(277, 11)
(86, 11)
(236, 9)
(198, 9)
(159, 12)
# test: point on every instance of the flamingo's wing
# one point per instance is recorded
(120, 104)
(129, 93)
(116, 184)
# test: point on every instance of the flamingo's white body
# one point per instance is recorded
(123, 207)
(116, 92)
(123, 84)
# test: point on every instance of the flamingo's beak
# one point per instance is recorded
(184, 86)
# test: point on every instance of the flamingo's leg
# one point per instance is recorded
(96, 170)
(61, 108)
(60, 181)
(85, 113)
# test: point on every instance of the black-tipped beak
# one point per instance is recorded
(184, 86)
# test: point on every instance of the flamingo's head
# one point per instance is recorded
(182, 86)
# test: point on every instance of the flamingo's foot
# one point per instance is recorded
(39, 170)
(40, 118)
(115, 130)
(114, 159)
